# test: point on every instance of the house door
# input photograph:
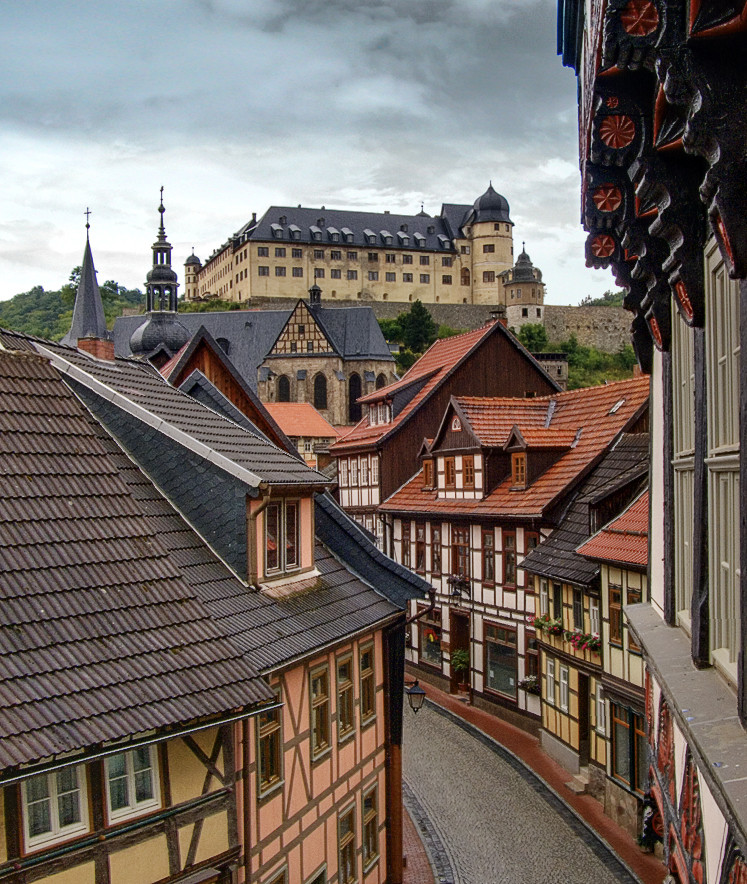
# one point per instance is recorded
(583, 719)
(459, 640)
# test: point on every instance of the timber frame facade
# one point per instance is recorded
(662, 87)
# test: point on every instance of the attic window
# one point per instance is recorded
(456, 425)
(283, 219)
(617, 406)
(427, 474)
(431, 229)
(519, 470)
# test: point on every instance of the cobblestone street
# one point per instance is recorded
(485, 819)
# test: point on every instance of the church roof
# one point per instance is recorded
(88, 313)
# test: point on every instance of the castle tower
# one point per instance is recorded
(192, 267)
(524, 292)
(161, 282)
(489, 229)
(88, 313)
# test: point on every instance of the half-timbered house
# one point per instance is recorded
(661, 117)
(494, 482)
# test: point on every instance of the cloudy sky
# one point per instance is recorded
(235, 105)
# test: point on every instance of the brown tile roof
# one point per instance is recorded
(102, 638)
(624, 540)
(589, 413)
(301, 419)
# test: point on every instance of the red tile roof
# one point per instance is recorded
(624, 540)
(301, 419)
(589, 414)
(169, 366)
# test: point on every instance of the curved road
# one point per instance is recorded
(486, 819)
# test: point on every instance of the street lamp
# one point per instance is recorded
(415, 696)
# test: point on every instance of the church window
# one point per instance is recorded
(354, 392)
(280, 271)
(425, 259)
(319, 273)
(280, 252)
(407, 259)
(464, 278)
(296, 253)
(425, 277)
(407, 277)
(320, 392)
(446, 279)
(352, 274)
(488, 276)
(263, 251)
(488, 248)
(380, 381)
(283, 389)
(335, 274)
(297, 272)
(373, 275)
(263, 271)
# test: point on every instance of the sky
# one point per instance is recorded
(236, 105)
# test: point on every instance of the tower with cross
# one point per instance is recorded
(161, 282)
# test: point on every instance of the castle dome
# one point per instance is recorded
(160, 330)
(491, 206)
(193, 259)
(523, 269)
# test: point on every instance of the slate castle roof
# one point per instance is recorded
(88, 311)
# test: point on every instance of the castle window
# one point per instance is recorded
(319, 273)
(425, 259)
(496, 227)
(373, 256)
(391, 277)
(280, 271)
(352, 256)
(464, 250)
(446, 262)
(373, 275)
(488, 276)
(335, 255)
(488, 248)
(446, 279)
(464, 277)
(263, 271)
(391, 259)
(407, 277)
(280, 252)
(407, 259)
(296, 253)
(352, 274)
(282, 536)
(263, 251)
(335, 274)
(425, 277)
(525, 312)
(297, 272)
(319, 254)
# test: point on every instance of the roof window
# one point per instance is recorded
(617, 406)
(347, 234)
(277, 231)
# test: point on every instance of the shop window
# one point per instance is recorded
(629, 748)
(500, 652)
(429, 628)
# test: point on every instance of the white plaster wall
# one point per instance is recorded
(656, 479)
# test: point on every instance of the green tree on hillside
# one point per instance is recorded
(533, 336)
(608, 299)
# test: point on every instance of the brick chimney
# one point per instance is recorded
(97, 347)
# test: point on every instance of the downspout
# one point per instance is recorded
(246, 802)
(251, 535)
(431, 605)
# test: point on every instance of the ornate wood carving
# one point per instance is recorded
(691, 824)
(734, 867)
(665, 752)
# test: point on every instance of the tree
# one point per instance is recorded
(608, 299)
(534, 337)
(419, 330)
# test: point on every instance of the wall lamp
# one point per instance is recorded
(415, 696)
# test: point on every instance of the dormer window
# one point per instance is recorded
(519, 470)
(282, 537)
(468, 471)
(450, 472)
(383, 413)
(427, 474)
(456, 425)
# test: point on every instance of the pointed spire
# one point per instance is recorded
(88, 313)
(162, 229)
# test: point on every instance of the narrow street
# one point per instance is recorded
(485, 819)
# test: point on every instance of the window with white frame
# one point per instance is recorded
(601, 710)
(54, 806)
(550, 681)
(364, 470)
(132, 783)
(544, 598)
(353, 472)
(375, 470)
(343, 462)
(563, 687)
(282, 530)
(593, 615)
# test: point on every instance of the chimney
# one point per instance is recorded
(97, 347)
(499, 315)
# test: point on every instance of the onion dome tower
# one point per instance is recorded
(161, 282)
(88, 313)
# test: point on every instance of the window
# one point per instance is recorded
(132, 783)
(375, 470)
(500, 650)
(509, 558)
(368, 684)
(269, 750)
(544, 598)
(391, 259)
(406, 544)
(370, 827)
(531, 541)
(335, 255)
(54, 806)
(460, 564)
(293, 346)
(531, 658)
(263, 252)
(435, 550)
(563, 672)
(296, 253)
(615, 614)
(319, 273)
(355, 388)
(464, 278)
(280, 271)
(345, 707)
(373, 275)
(427, 474)
(297, 272)
(550, 681)
(468, 471)
(464, 250)
(281, 536)
(391, 277)
(407, 277)
(446, 262)
(425, 260)
(335, 274)
(488, 248)
(352, 256)
(446, 279)
(283, 389)
(429, 633)
(347, 872)
(488, 556)
(634, 598)
(373, 256)
(425, 277)
(594, 616)
(320, 392)
(450, 471)
(578, 609)
(420, 548)
(629, 748)
(279, 252)
(352, 274)
(263, 271)
(364, 470)
(407, 259)
(600, 710)
(320, 724)
(354, 471)
(519, 470)
(343, 471)
(319, 254)
(557, 601)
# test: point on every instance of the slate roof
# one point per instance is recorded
(88, 311)
(589, 412)
(301, 419)
(102, 637)
(433, 368)
(250, 334)
(557, 557)
(624, 541)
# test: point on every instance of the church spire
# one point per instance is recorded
(161, 282)
(88, 313)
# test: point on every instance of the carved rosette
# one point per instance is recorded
(631, 28)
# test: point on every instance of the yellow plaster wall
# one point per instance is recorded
(186, 771)
(140, 864)
(3, 850)
(82, 874)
